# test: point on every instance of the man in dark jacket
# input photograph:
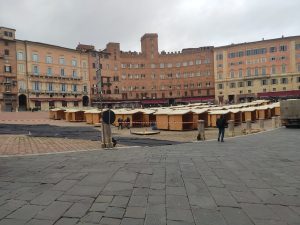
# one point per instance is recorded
(221, 124)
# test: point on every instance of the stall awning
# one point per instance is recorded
(279, 94)
(154, 101)
(196, 99)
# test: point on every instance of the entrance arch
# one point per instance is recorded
(85, 101)
(22, 102)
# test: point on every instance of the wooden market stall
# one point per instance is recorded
(148, 117)
(181, 120)
(74, 115)
(135, 117)
(162, 119)
(235, 115)
(92, 116)
(248, 113)
(263, 112)
(57, 114)
(200, 114)
(215, 114)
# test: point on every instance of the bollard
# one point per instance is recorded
(201, 130)
(278, 121)
(261, 124)
(274, 122)
(248, 126)
(107, 140)
(231, 127)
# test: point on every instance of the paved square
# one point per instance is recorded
(251, 180)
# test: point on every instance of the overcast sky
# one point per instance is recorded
(179, 23)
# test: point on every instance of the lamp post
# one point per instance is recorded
(99, 92)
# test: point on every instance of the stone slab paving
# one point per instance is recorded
(251, 180)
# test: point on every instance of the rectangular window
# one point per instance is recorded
(184, 64)
(20, 56)
(264, 82)
(162, 65)
(297, 46)
(263, 71)
(283, 68)
(50, 86)
(35, 70)
(241, 84)
(256, 71)
(219, 56)
(85, 88)
(74, 87)
(49, 71)
(62, 61)
(249, 83)
(240, 73)
(49, 59)
(273, 69)
(169, 65)
(63, 87)
(153, 66)
(232, 74)
(274, 81)
(273, 49)
(178, 64)
(283, 48)
(74, 62)
(284, 80)
(248, 72)
(74, 73)
(21, 68)
(198, 62)
(232, 85)
(36, 86)
(35, 57)
(7, 69)
(62, 72)
(220, 86)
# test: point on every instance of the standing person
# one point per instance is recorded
(128, 122)
(221, 124)
(120, 121)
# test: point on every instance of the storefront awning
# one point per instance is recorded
(55, 99)
(196, 99)
(293, 93)
(154, 101)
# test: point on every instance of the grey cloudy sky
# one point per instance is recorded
(179, 23)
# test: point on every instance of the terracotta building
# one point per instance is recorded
(151, 77)
(261, 69)
(51, 76)
(8, 70)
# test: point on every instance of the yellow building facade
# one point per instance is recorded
(51, 76)
(262, 69)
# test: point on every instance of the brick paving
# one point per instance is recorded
(250, 180)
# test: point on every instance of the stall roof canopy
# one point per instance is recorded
(180, 112)
(234, 110)
(74, 110)
(199, 111)
(219, 112)
(57, 109)
(248, 109)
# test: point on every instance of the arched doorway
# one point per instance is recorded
(22, 102)
(85, 101)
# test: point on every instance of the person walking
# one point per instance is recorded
(221, 124)
(120, 124)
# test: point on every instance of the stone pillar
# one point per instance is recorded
(248, 126)
(231, 127)
(106, 136)
(274, 122)
(261, 124)
(201, 130)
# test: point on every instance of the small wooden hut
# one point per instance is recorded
(263, 112)
(181, 120)
(215, 114)
(235, 115)
(148, 117)
(92, 116)
(200, 114)
(162, 119)
(248, 113)
(57, 114)
(74, 115)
